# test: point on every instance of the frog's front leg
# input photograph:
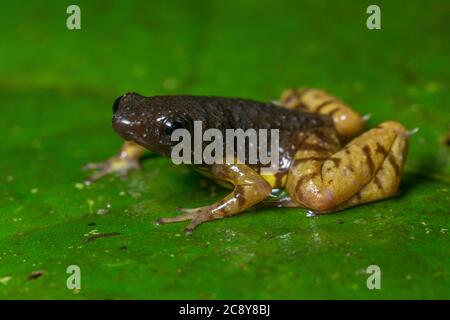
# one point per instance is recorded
(249, 189)
(367, 169)
(122, 163)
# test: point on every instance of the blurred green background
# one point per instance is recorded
(56, 91)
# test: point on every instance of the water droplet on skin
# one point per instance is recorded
(413, 131)
(366, 117)
(310, 214)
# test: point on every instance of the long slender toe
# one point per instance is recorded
(179, 218)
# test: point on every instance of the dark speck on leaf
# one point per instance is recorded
(123, 248)
(92, 224)
(36, 275)
(102, 235)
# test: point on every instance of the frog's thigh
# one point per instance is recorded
(348, 123)
(367, 169)
(249, 189)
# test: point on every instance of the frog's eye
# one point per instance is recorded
(171, 125)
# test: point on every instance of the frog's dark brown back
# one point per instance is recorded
(233, 113)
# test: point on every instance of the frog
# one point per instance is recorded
(327, 161)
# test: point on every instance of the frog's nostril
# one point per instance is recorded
(116, 104)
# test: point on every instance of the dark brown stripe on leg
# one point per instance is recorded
(394, 164)
(381, 149)
(298, 161)
(369, 160)
(332, 112)
(323, 104)
(378, 183)
(336, 161)
(313, 147)
(239, 195)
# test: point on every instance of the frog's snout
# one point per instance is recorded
(116, 104)
(123, 127)
(124, 100)
(122, 124)
(128, 121)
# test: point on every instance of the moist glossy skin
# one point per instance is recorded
(326, 164)
(148, 122)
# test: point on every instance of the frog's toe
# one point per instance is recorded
(196, 215)
(191, 210)
(120, 166)
(179, 218)
(91, 166)
(198, 220)
(94, 177)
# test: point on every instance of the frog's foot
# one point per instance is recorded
(250, 189)
(116, 164)
(126, 160)
(196, 215)
(188, 214)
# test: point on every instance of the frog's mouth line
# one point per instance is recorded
(130, 136)
(123, 128)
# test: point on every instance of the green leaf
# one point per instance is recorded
(56, 91)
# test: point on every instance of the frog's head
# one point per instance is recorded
(150, 121)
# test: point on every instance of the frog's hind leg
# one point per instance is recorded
(365, 170)
(249, 189)
(348, 122)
